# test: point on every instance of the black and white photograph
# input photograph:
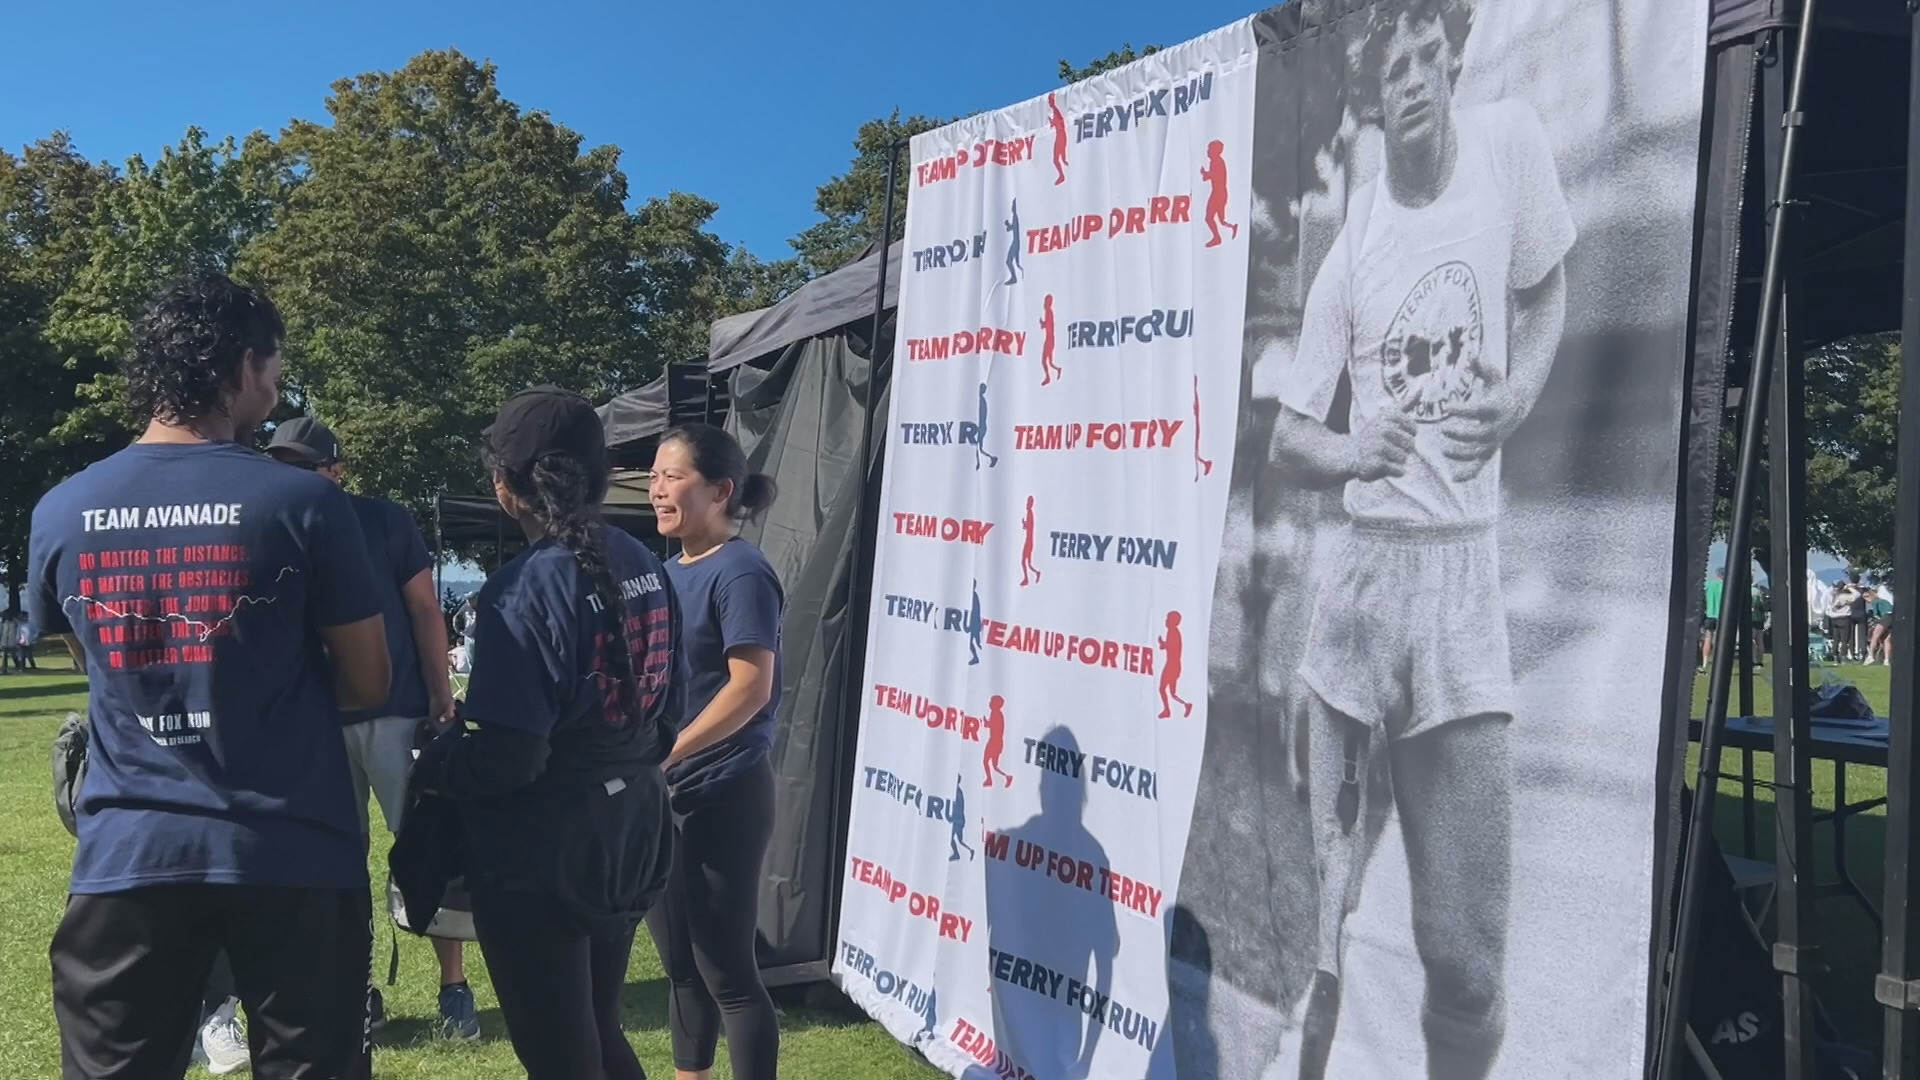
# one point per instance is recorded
(1424, 840)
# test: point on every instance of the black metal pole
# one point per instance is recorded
(1745, 489)
(860, 565)
(1795, 894)
(858, 591)
(1898, 985)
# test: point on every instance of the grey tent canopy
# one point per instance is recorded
(684, 394)
(476, 522)
(819, 307)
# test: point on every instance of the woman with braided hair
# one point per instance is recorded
(573, 704)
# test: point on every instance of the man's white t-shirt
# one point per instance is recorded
(1413, 305)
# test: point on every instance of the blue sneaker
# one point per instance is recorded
(459, 1019)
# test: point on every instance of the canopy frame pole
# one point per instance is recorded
(1897, 987)
(860, 564)
(1698, 847)
(1796, 935)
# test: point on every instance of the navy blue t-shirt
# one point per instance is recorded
(196, 578)
(398, 553)
(538, 667)
(728, 599)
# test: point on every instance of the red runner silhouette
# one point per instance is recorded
(1173, 646)
(996, 741)
(1215, 174)
(1048, 369)
(1026, 547)
(1059, 124)
(1201, 466)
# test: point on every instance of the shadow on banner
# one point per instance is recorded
(1076, 932)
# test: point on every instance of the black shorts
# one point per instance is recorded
(128, 969)
(1710, 625)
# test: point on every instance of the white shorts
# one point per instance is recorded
(380, 757)
(1409, 629)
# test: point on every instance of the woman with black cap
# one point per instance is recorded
(720, 769)
(558, 782)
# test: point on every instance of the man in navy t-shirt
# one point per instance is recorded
(222, 608)
(380, 740)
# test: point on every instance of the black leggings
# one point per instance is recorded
(559, 988)
(705, 926)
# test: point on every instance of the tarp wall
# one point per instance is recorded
(800, 422)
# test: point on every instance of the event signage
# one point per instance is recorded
(1277, 533)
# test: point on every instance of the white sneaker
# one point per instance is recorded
(223, 1042)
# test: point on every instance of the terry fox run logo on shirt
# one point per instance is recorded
(1430, 359)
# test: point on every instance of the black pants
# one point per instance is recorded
(219, 986)
(129, 969)
(559, 988)
(705, 927)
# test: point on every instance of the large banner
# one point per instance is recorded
(1270, 603)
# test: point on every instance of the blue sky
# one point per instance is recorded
(749, 104)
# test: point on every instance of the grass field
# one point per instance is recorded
(818, 1044)
(1849, 941)
(35, 855)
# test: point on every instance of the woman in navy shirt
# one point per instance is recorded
(574, 697)
(722, 779)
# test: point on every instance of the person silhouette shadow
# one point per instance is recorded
(1037, 920)
(1187, 1049)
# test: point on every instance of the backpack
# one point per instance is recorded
(69, 768)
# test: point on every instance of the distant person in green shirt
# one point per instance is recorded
(1711, 624)
(1879, 627)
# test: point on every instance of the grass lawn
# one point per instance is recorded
(1849, 940)
(36, 853)
(817, 1044)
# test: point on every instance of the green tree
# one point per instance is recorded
(440, 248)
(693, 277)
(195, 209)
(854, 203)
(1119, 57)
(50, 197)
(1852, 422)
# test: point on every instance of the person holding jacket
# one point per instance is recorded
(720, 768)
(561, 800)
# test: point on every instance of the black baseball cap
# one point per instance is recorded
(308, 440)
(547, 420)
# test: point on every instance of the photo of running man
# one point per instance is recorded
(1442, 301)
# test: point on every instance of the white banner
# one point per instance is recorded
(1279, 504)
(1064, 401)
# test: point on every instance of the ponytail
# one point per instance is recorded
(565, 497)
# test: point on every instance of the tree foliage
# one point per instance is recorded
(1117, 58)
(439, 248)
(853, 204)
(1852, 422)
(50, 200)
